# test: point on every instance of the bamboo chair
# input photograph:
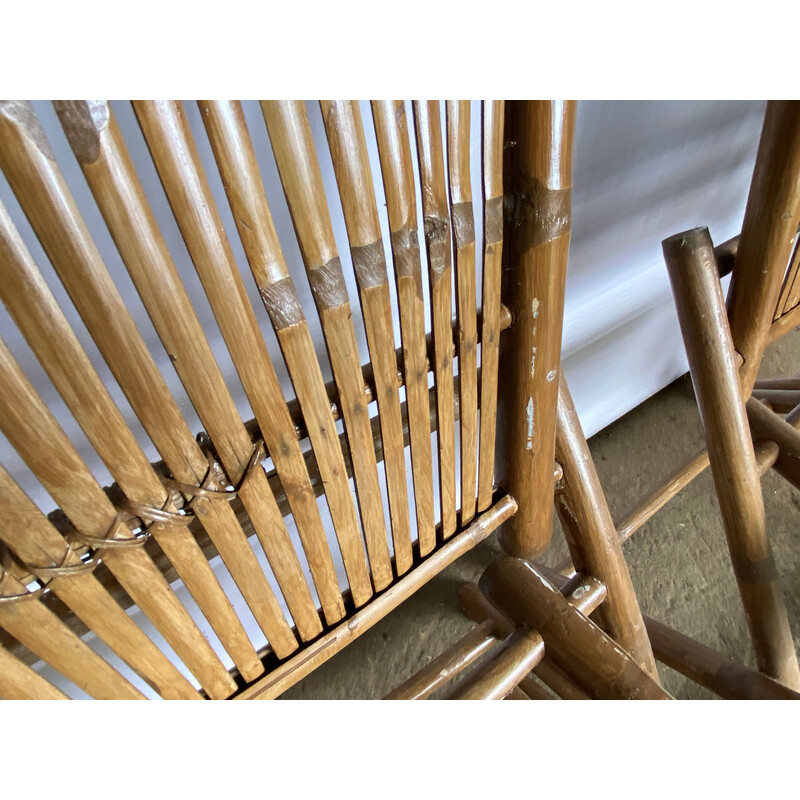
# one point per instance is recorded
(724, 351)
(79, 568)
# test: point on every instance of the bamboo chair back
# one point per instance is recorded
(262, 494)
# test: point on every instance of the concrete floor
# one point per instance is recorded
(678, 560)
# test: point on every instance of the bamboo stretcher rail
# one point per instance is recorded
(780, 400)
(394, 149)
(348, 149)
(709, 346)
(178, 164)
(436, 217)
(703, 665)
(595, 661)
(463, 227)
(297, 667)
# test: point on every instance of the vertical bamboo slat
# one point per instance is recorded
(178, 164)
(493, 117)
(233, 150)
(541, 181)
(704, 325)
(34, 309)
(458, 126)
(437, 240)
(33, 431)
(591, 536)
(42, 632)
(97, 143)
(348, 148)
(20, 682)
(35, 541)
(293, 147)
(398, 181)
(770, 223)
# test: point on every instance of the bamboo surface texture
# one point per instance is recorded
(709, 346)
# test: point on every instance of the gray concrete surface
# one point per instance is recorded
(678, 560)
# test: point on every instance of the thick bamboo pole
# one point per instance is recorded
(591, 536)
(709, 347)
(540, 184)
(770, 224)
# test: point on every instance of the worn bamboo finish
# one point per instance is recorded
(175, 155)
(770, 223)
(576, 644)
(97, 143)
(19, 682)
(703, 665)
(34, 433)
(448, 665)
(294, 669)
(709, 347)
(436, 218)
(492, 157)
(398, 180)
(592, 538)
(541, 181)
(37, 314)
(348, 149)
(290, 134)
(462, 215)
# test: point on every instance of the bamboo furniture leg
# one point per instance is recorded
(591, 536)
(704, 325)
(540, 185)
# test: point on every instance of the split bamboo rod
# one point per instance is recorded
(348, 149)
(463, 221)
(290, 134)
(599, 665)
(394, 149)
(492, 152)
(34, 308)
(178, 164)
(541, 181)
(770, 223)
(288, 673)
(593, 541)
(42, 549)
(32, 430)
(95, 137)
(709, 347)
(427, 124)
(19, 682)
(703, 665)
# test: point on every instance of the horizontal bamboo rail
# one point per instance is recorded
(297, 667)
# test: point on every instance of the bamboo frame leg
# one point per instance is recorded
(770, 223)
(706, 335)
(722, 676)
(591, 536)
(541, 186)
(599, 665)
